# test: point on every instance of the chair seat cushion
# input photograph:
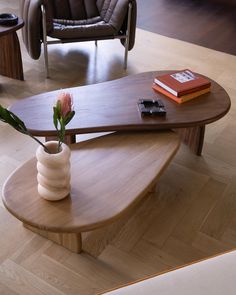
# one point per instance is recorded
(87, 28)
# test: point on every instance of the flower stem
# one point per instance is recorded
(38, 141)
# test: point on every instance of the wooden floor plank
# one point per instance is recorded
(161, 227)
(149, 253)
(182, 251)
(221, 215)
(33, 249)
(12, 235)
(86, 265)
(99, 273)
(135, 228)
(209, 245)
(4, 290)
(193, 21)
(229, 237)
(127, 264)
(197, 213)
(24, 282)
(177, 198)
(60, 277)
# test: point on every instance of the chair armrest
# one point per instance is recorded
(132, 25)
(49, 14)
(31, 14)
(116, 14)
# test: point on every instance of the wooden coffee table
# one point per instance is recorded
(112, 106)
(109, 175)
(10, 54)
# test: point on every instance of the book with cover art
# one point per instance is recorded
(182, 82)
(183, 98)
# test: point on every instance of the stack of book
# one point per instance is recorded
(181, 86)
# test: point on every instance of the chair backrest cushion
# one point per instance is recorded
(74, 9)
(113, 11)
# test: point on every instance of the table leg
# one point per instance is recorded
(70, 241)
(193, 137)
(10, 57)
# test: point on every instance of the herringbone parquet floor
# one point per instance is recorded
(189, 216)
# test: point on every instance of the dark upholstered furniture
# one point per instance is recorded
(75, 21)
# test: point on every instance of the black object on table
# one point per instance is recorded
(151, 107)
(8, 19)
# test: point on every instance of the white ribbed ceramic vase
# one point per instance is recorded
(53, 171)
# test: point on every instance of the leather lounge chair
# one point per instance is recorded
(75, 21)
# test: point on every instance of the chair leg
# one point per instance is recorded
(45, 45)
(127, 37)
(46, 59)
(126, 53)
(96, 43)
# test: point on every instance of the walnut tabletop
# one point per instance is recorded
(109, 175)
(112, 106)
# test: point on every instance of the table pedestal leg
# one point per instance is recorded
(193, 137)
(10, 57)
(71, 241)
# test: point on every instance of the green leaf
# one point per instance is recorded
(18, 121)
(58, 107)
(55, 117)
(4, 115)
(63, 129)
(69, 117)
(8, 117)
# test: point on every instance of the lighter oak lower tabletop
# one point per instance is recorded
(109, 175)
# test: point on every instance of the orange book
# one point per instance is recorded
(183, 98)
(182, 82)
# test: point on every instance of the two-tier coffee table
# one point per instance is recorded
(112, 106)
(109, 175)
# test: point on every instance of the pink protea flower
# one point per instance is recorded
(66, 103)
(62, 114)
